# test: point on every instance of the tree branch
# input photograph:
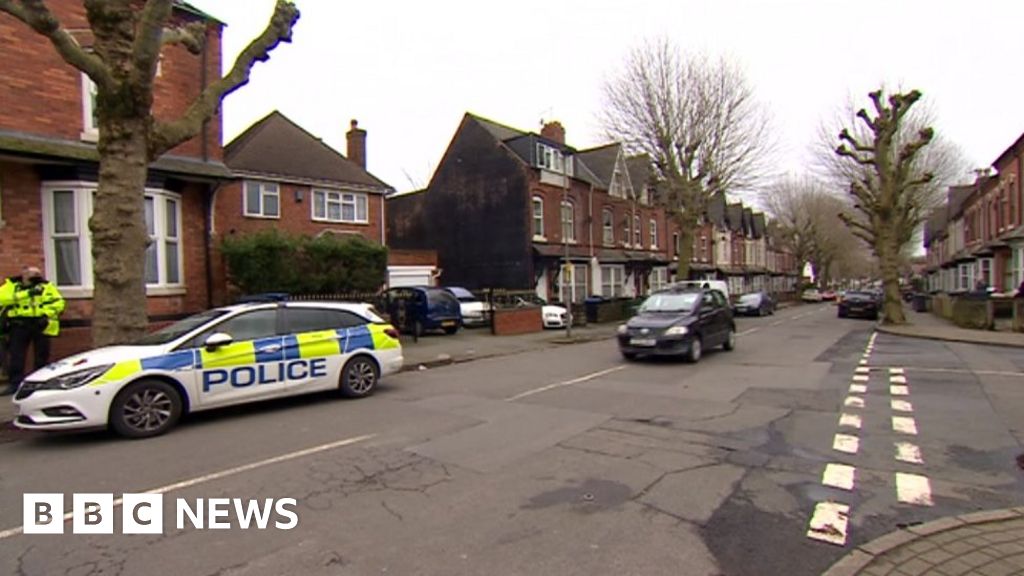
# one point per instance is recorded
(146, 46)
(167, 135)
(38, 17)
(192, 36)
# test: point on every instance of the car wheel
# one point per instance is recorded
(145, 408)
(359, 377)
(730, 341)
(629, 355)
(696, 351)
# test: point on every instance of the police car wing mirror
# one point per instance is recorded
(218, 339)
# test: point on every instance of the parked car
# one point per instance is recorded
(828, 296)
(475, 312)
(553, 316)
(755, 304)
(417, 309)
(720, 285)
(811, 295)
(679, 321)
(862, 304)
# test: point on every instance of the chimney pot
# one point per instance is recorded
(356, 138)
(554, 131)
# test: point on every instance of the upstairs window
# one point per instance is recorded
(90, 125)
(538, 217)
(568, 222)
(608, 227)
(654, 233)
(334, 206)
(637, 232)
(262, 200)
(552, 159)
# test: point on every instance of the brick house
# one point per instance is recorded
(506, 208)
(49, 166)
(288, 179)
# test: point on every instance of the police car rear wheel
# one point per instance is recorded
(359, 377)
(145, 408)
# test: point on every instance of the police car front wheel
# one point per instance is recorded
(145, 408)
(359, 377)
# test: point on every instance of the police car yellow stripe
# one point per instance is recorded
(235, 354)
(381, 341)
(119, 371)
(318, 344)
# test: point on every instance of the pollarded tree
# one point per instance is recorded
(884, 158)
(698, 122)
(122, 62)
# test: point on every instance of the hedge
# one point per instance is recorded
(273, 261)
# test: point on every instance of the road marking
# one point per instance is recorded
(898, 379)
(839, 476)
(901, 405)
(854, 402)
(899, 390)
(861, 378)
(778, 323)
(224, 474)
(565, 383)
(896, 371)
(850, 421)
(828, 523)
(863, 361)
(749, 331)
(904, 425)
(846, 443)
(862, 370)
(907, 452)
(913, 489)
(858, 389)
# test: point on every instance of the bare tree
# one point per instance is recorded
(122, 62)
(699, 123)
(889, 160)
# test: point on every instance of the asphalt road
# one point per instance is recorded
(565, 461)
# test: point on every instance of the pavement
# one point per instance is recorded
(929, 326)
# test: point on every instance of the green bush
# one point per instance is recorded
(273, 261)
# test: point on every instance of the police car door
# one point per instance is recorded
(251, 367)
(317, 344)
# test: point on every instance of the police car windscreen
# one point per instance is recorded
(179, 328)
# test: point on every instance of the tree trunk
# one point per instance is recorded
(119, 235)
(889, 262)
(685, 248)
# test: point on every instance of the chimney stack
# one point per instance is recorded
(554, 131)
(357, 144)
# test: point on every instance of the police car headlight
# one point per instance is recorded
(74, 379)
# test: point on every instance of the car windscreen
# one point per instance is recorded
(436, 297)
(179, 328)
(463, 295)
(750, 298)
(671, 302)
(860, 296)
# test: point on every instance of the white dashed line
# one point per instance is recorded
(854, 402)
(863, 361)
(907, 452)
(749, 331)
(828, 523)
(850, 421)
(896, 371)
(861, 378)
(565, 383)
(862, 370)
(901, 406)
(858, 389)
(898, 379)
(846, 443)
(904, 425)
(913, 489)
(839, 476)
(899, 390)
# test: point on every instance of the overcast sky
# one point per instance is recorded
(409, 70)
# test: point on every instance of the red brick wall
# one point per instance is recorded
(22, 213)
(517, 321)
(41, 94)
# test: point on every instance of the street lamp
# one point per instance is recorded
(567, 272)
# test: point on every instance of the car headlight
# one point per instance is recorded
(622, 329)
(73, 379)
(677, 331)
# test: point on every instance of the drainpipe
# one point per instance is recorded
(203, 80)
(210, 201)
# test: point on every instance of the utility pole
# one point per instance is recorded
(568, 272)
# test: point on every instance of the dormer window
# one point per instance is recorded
(552, 159)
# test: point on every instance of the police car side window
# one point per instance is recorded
(247, 326)
(315, 319)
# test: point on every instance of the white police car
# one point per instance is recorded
(220, 357)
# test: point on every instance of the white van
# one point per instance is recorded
(720, 285)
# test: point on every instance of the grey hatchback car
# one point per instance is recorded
(679, 322)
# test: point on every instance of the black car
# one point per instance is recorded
(679, 322)
(755, 304)
(862, 304)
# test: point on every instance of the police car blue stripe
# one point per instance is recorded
(358, 337)
(173, 361)
(269, 350)
(291, 348)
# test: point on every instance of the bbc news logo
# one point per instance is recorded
(144, 513)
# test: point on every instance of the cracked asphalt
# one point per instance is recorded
(660, 467)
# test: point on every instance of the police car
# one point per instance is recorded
(220, 357)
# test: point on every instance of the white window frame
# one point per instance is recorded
(608, 227)
(580, 279)
(340, 199)
(654, 234)
(83, 203)
(553, 160)
(266, 189)
(658, 278)
(537, 217)
(613, 278)
(90, 131)
(638, 232)
(568, 224)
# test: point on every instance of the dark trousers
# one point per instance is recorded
(22, 335)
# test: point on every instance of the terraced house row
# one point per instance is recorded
(508, 208)
(977, 235)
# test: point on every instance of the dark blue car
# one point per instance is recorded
(417, 309)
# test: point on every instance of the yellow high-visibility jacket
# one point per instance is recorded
(42, 300)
